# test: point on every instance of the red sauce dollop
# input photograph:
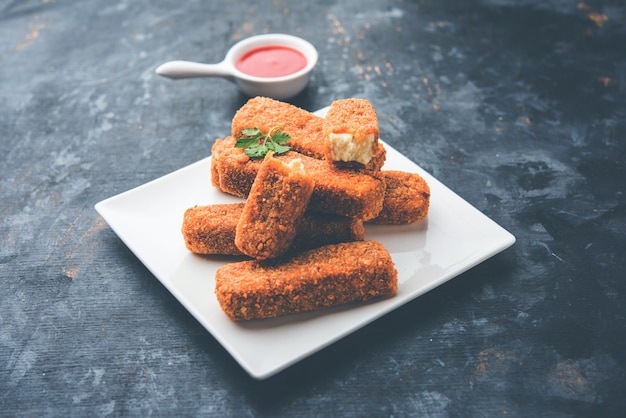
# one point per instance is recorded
(271, 61)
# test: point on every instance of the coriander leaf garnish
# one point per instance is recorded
(256, 144)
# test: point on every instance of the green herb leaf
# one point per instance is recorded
(256, 144)
(245, 142)
(277, 148)
(280, 137)
(258, 151)
(250, 132)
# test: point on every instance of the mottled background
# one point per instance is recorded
(517, 105)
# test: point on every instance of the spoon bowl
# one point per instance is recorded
(282, 87)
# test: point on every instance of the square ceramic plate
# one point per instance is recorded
(148, 220)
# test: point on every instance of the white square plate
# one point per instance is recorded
(148, 219)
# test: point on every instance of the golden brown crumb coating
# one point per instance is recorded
(319, 229)
(264, 113)
(277, 200)
(353, 116)
(407, 198)
(304, 128)
(347, 193)
(210, 230)
(215, 160)
(350, 131)
(316, 279)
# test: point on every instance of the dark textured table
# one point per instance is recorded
(517, 105)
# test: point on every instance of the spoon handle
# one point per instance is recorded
(186, 69)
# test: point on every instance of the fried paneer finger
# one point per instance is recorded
(407, 198)
(264, 113)
(304, 128)
(319, 229)
(347, 193)
(210, 230)
(350, 131)
(316, 279)
(277, 200)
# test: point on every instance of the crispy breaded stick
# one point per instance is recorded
(316, 279)
(277, 200)
(407, 198)
(264, 113)
(341, 192)
(350, 131)
(319, 229)
(210, 230)
(304, 128)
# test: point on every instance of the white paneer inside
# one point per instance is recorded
(296, 165)
(346, 148)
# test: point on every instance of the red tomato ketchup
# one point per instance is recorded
(271, 61)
